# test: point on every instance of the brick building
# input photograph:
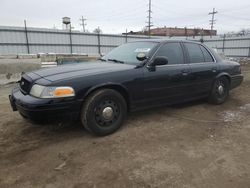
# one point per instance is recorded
(176, 31)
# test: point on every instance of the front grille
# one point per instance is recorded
(25, 85)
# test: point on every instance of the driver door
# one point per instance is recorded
(168, 83)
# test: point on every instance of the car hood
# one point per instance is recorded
(80, 69)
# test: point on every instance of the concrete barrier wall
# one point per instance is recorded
(11, 71)
(12, 66)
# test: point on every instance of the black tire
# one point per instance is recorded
(220, 91)
(103, 112)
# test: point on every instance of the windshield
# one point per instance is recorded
(127, 53)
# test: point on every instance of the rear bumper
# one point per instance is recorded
(35, 108)
(236, 80)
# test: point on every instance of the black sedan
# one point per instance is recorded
(133, 76)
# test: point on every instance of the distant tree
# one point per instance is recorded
(196, 31)
(97, 30)
(244, 32)
(144, 30)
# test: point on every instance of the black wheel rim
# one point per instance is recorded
(220, 89)
(106, 113)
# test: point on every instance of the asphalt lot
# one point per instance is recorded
(190, 145)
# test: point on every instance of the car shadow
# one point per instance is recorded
(74, 128)
(159, 109)
(66, 123)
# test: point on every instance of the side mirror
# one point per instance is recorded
(160, 60)
(141, 56)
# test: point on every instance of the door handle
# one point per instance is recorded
(214, 70)
(184, 72)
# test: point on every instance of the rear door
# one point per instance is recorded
(203, 68)
(167, 83)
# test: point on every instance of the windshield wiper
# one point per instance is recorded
(117, 61)
(102, 59)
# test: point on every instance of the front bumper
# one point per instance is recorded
(236, 80)
(36, 108)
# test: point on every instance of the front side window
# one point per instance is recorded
(194, 52)
(173, 52)
(127, 53)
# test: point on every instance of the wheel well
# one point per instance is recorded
(117, 88)
(227, 77)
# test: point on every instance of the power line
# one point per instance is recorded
(83, 23)
(150, 24)
(234, 17)
(236, 9)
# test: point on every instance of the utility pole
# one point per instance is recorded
(149, 18)
(70, 38)
(126, 35)
(83, 23)
(212, 22)
(98, 31)
(26, 36)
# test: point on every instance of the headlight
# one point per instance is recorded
(51, 92)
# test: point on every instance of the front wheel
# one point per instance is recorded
(104, 112)
(220, 91)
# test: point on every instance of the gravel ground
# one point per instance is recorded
(190, 145)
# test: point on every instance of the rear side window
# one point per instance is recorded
(173, 52)
(195, 53)
(207, 55)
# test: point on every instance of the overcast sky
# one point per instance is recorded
(114, 16)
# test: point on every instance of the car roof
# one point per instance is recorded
(217, 57)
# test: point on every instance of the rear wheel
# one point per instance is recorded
(220, 91)
(104, 112)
